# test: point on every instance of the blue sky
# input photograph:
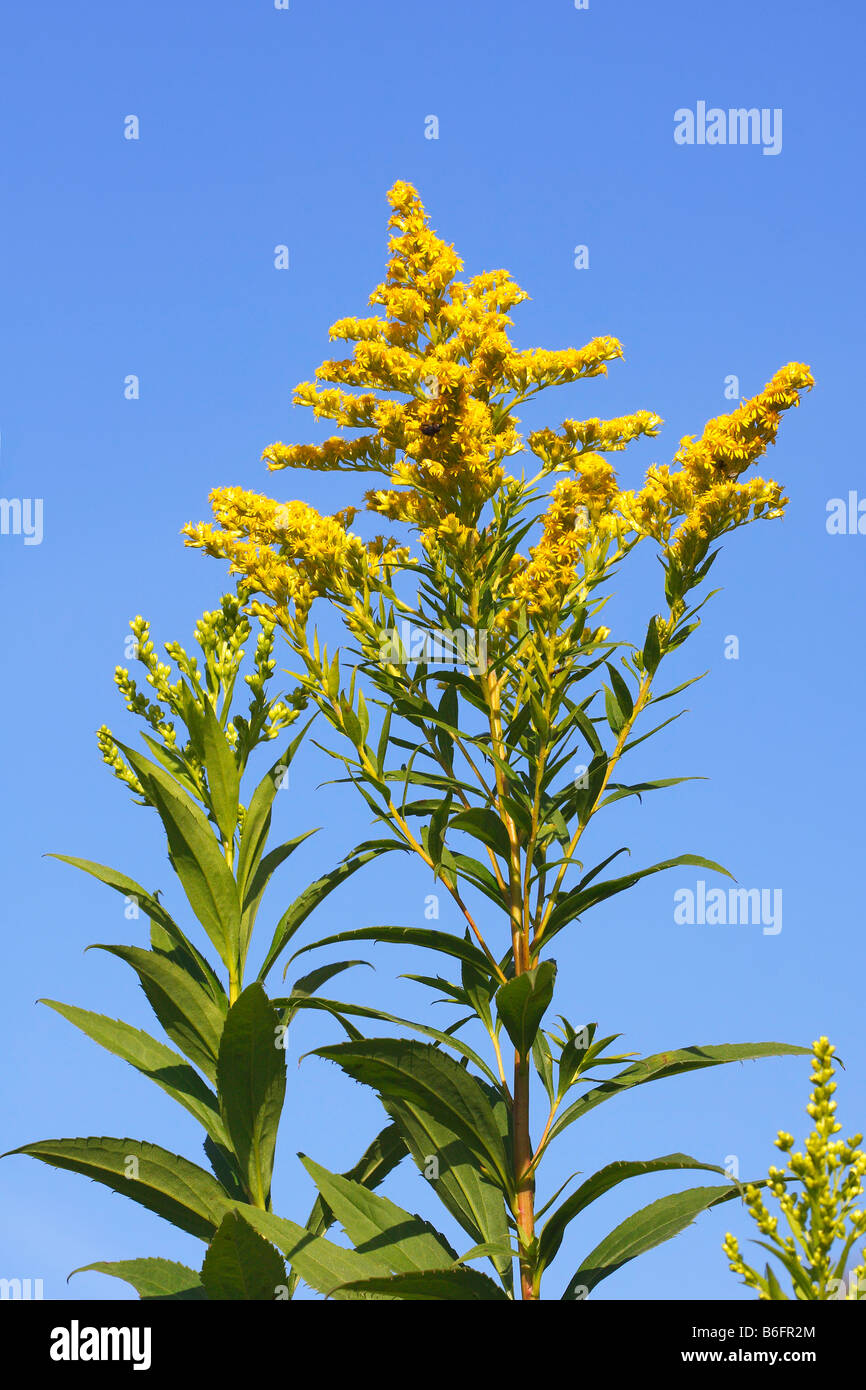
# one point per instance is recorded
(155, 257)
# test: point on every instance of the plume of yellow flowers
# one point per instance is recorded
(433, 382)
(830, 1178)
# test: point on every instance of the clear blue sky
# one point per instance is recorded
(155, 257)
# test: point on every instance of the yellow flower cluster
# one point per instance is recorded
(703, 494)
(443, 345)
(731, 443)
(830, 1175)
(288, 552)
(558, 451)
(579, 513)
(432, 383)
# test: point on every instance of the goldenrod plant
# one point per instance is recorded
(229, 1069)
(818, 1197)
(483, 711)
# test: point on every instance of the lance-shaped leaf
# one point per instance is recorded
(452, 1172)
(376, 1162)
(433, 1286)
(652, 647)
(153, 1059)
(523, 1001)
(153, 1279)
(646, 1228)
(259, 881)
(173, 941)
(411, 936)
(240, 1265)
(421, 1073)
(375, 1224)
(223, 778)
(673, 1063)
(310, 899)
(186, 1011)
(595, 1187)
(319, 1262)
(181, 1192)
(251, 1082)
(484, 824)
(379, 1159)
(179, 949)
(257, 820)
(195, 855)
(579, 900)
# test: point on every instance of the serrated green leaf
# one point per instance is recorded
(642, 1231)
(441, 1285)
(181, 1192)
(319, 1262)
(440, 941)
(374, 1223)
(579, 900)
(251, 1082)
(311, 898)
(223, 778)
(523, 1001)
(240, 1265)
(186, 1011)
(196, 857)
(153, 1059)
(596, 1186)
(673, 1063)
(411, 1071)
(153, 1278)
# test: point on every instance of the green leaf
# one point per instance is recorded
(374, 1223)
(181, 1192)
(196, 857)
(127, 887)
(579, 900)
(173, 940)
(642, 1231)
(410, 936)
(595, 1187)
(259, 881)
(379, 1159)
(310, 899)
(257, 820)
(437, 829)
(651, 648)
(620, 790)
(412, 1071)
(673, 1063)
(452, 1172)
(308, 984)
(175, 946)
(433, 1286)
(251, 1081)
(240, 1265)
(321, 1264)
(223, 779)
(483, 824)
(153, 1059)
(523, 1001)
(624, 700)
(153, 1279)
(777, 1294)
(186, 1011)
